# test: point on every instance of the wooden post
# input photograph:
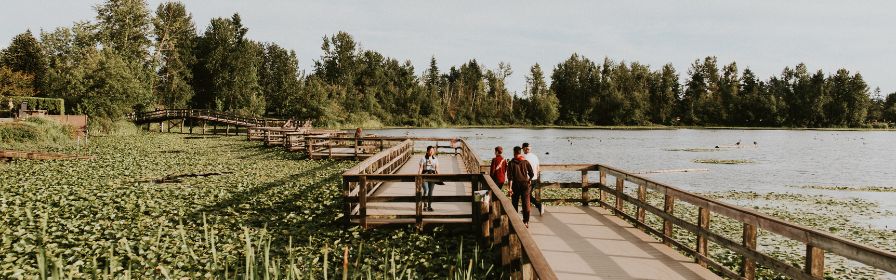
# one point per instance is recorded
(418, 190)
(703, 223)
(309, 148)
(330, 148)
(346, 193)
(620, 188)
(505, 242)
(603, 182)
(748, 266)
(215, 129)
(586, 197)
(203, 127)
(161, 126)
(474, 206)
(814, 261)
(669, 208)
(642, 197)
(362, 201)
(516, 257)
(182, 122)
(356, 148)
(494, 218)
(226, 129)
(192, 124)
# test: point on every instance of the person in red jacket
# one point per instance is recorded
(498, 171)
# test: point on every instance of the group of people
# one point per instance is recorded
(519, 173)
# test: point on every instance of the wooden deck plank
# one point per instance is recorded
(590, 243)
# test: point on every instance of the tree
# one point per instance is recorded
(849, 99)
(15, 83)
(889, 108)
(226, 74)
(112, 86)
(68, 50)
(25, 56)
(574, 82)
(279, 79)
(543, 102)
(175, 39)
(125, 26)
(729, 95)
(664, 94)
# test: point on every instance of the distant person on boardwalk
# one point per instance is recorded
(520, 173)
(429, 165)
(533, 161)
(498, 170)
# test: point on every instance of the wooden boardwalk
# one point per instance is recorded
(591, 243)
(448, 164)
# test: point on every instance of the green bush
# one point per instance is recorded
(35, 132)
(54, 106)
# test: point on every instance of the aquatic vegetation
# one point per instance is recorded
(137, 211)
(723, 161)
(849, 188)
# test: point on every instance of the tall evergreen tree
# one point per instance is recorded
(543, 102)
(175, 37)
(279, 79)
(664, 94)
(226, 75)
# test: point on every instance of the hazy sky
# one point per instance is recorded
(764, 35)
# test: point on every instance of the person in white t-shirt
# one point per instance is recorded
(533, 160)
(429, 165)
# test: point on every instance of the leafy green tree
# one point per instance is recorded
(226, 74)
(544, 105)
(112, 86)
(68, 49)
(175, 37)
(25, 56)
(729, 94)
(664, 94)
(849, 96)
(15, 83)
(888, 112)
(574, 81)
(279, 79)
(125, 26)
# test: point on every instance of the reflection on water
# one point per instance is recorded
(781, 159)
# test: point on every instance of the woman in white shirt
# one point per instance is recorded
(429, 165)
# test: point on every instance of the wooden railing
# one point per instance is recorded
(204, 114)
(492, 215)
(817, 242)
(347, 147)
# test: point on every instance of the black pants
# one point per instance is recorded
(532, 186)
(521, 191)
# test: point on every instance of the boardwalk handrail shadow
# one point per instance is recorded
(614, 197)
(492, 216)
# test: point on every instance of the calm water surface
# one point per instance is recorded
(782, 159)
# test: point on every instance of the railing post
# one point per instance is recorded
(814, 261)
(418, 190)
(702, 223)
(474, 207)
(620, 188)
(505, 242)
(516, 257)
(748, 266)
(362, 201)
(669, 208)
(603, 182)
(346, 194)
(586, 197)
(642, 197)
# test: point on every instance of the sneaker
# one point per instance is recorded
(430, 209)
(541, 210)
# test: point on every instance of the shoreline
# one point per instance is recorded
(601, 127)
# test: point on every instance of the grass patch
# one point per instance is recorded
(35, 132)
(266, 212)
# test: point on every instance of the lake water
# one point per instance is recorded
(781, 159)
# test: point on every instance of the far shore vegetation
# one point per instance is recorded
(131, 57)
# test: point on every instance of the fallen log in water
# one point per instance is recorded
(7, 154)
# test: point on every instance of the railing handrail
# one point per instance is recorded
(815, 238)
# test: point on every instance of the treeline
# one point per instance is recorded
(130, 58)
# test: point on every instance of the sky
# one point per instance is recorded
(765, 36)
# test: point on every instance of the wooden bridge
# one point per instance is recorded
(636, 228)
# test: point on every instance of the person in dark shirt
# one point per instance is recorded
(520, 174)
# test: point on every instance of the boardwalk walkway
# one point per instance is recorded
(448, 164)
(590, 243)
